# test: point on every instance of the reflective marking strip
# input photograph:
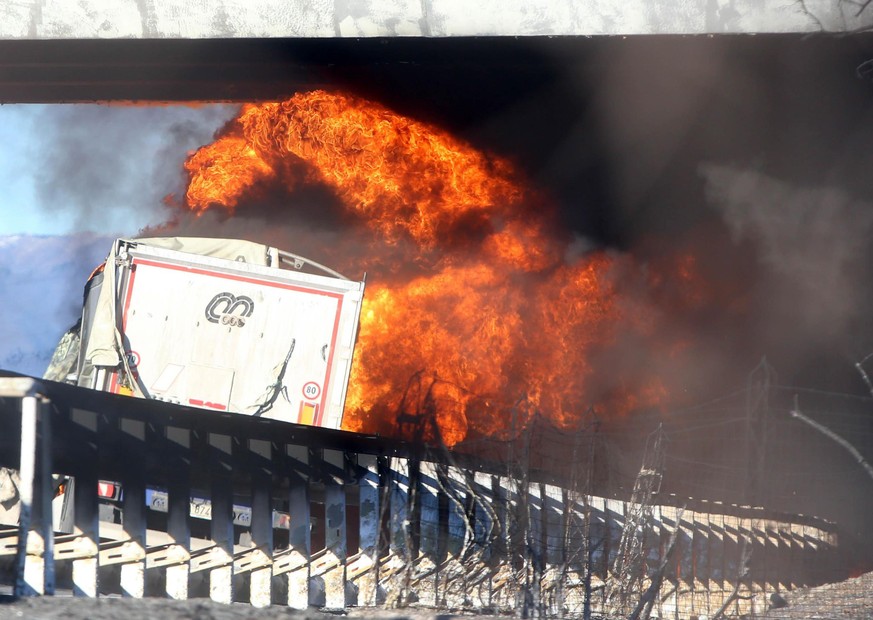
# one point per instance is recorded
(308, 412)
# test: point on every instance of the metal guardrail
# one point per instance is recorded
(370, 521)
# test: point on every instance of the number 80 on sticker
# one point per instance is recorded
(311, 390)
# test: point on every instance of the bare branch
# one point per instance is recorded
(862, 7)
(647, 600)
(629, 565)
(860, 365)
(832, 435)
(811, 15)
(742, 572)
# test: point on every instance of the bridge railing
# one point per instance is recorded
(336, 519)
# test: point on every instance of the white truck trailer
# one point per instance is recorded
(223, 325)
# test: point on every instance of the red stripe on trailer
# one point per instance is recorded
(201, 403)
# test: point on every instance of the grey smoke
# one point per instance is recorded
(812, 242)
(42, 280)
(114, 165)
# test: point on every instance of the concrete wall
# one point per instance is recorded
(196, 19)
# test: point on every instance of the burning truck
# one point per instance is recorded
(218, 324)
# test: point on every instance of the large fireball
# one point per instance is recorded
(494, 323)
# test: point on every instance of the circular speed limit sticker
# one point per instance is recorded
(311, 390)
(132, 358)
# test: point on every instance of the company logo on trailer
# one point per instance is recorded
(228, 309)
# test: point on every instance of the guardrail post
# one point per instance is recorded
(501, 493)
(758, 563)
(178, 511)
(395, 572)
(615, 524)
(598, 539)
(811, 548)
(536, 549)
(652, 547)
(427, 569)
(795, 536)
(772, 542)
(668, 604)
(260, 584)
(483, 517)
(748, 544)
(413, 501)
(555, 512)
(221, 527)
(503, 588)
(299, 534)
(131, 435)
(399, 524)
(452, 578)
(35, 560)
(335, 530)
(368, 530)
(717, 552)
(732, 547)
(702, 580)
(786, 563)
(686, 562)
(86, 515)
(43, 493)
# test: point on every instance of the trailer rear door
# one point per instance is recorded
(232, 336)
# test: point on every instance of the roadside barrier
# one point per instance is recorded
(251, 509)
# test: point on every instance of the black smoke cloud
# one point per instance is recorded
(753, 153)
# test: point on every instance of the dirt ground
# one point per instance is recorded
(850, 599)
(56, 608)
(69, 608)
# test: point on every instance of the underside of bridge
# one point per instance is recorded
(473, 75)
(545, 102)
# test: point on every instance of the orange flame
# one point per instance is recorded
(403, 176)
(224, 174)
(484, 335)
